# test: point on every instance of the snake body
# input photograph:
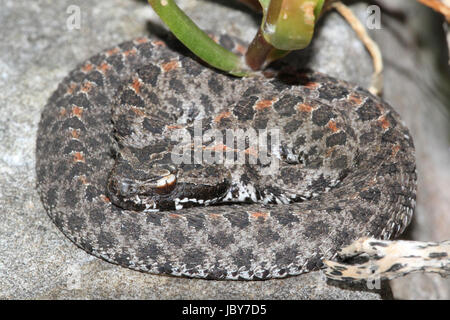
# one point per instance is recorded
(346, 166)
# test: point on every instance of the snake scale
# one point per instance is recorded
(346, 166)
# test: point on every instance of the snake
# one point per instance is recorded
(149, 159)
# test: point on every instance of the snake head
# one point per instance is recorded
(142, 194)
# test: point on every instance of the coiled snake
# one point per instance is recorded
(345, 165)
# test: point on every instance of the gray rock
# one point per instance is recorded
(37, 50)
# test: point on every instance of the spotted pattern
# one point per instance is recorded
(346, 159)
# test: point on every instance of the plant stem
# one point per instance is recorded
(196, 40)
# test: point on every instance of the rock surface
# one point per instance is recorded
(37, 50)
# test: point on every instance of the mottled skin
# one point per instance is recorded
(355, 174)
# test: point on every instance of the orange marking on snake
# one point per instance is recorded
(112, 51)
(257, 215)
(221, 116)
(159, 43)
(104, 67)
(78, 157)
(384, 122)
(130, 52)
(395, 150)
(71, 88)
(141, 40)
(75, 133)
(311, 85)
(138, 111)
(86, 87)
(171, 65)
(77, 112)
(264, 104)
(88, 67)
(136, 85)
(303, 107)
(332, 125)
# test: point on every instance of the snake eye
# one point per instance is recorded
(127, 188)
(166, 184)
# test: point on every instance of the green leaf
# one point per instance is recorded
(196, 40)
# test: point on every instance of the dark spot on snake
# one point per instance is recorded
(145, 49)
(122, 258)
(317, 134)
(176, 237)
(61, 169)
(91, 193)
(196, 221)
(267, 236)
(322, 115)
(177, 85)
(316, 229)
(238, 219)
(148, 251)
(372, 195)
(129, 97)
(361, 214)
(74, 146)
(292, 126)
(251, 91)
(193, 258)
(221, 239)
(130, 230)
(314, 263)
(261, 123)
(96, 77)
(299, 141)
(438, 255)
(52, 196)
(78, 169)
(368, 111)
(331, 91)
(216, 274)
(286, 256)
(70, 197)
(388, 169)
(243, 110)
(116, 62)
(122, 126)
(395, 267)
(319, 184)
(97, 216)
(126, 46)
(79, 100)
(285, 105)
(215, 85)
(285, 217)
(97, 59)
(153, 218)
(106, 240)
(75, 222)
(390, 136)
(339, 163)
(153, 126)
(336, 139)
(206, 102)
(149, 74)
(378, 244)
(243, 258)
(366, 138)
